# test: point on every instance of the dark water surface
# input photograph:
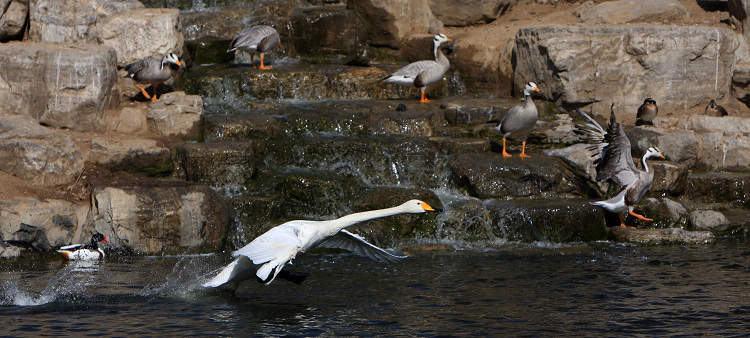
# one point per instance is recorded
(583, 290)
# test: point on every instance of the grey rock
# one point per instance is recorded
(703, 220)
(132, 153)
(661, 236)
(384, 19)
(469, 12)
(327, 31)
(490, 176)
(72, 21)
(58, 85)
(161, 217)
(634, 11)
(41, 224)
(142, 33)
(666, 213)
(624, 64)
(176, 114)
(217, 164)
(35, 153)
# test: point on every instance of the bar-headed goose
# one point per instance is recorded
(421, 74)
(647, 112)
(715, 110)
(153, 72)
(256, 40)
(280, 245)
(614, 163)
(518, 121)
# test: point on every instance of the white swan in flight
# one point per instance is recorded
(280, 245)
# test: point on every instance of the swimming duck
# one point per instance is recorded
(647, 112)
(280, 245)
(256, 39)
(85, 252)
(153, 72)
(421, 74)
(714, 109)
(614, 163)
(518, 121)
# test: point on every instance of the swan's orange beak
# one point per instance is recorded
(428, 208)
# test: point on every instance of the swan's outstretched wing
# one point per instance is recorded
(240, 269)
(354, 243)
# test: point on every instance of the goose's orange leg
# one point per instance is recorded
(505, 153)
(153, 98)
(252, 60)
(424, 98)
(622, 221)
(142, 91)
(640, 217)
(523, 150)
(262, 66)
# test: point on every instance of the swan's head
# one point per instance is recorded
(654, 152)
(440, 39)
(530, 87)
(418, 207)
(171, 58)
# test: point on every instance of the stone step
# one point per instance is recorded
(719, 187)
(230, 86)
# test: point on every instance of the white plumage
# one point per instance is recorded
(281, 244)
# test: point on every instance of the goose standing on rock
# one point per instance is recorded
(614, 163)
(715, 110)
(256, 40)
(153, 72)
(519, 120)
(421, 74)
(85, 252)
(280, 245)
(647, 112)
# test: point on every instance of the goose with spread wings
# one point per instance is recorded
(614, 163)
(280, 245)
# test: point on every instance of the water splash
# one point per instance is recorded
(70, 283)
(185, 279)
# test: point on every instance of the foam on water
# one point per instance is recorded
(70, 283)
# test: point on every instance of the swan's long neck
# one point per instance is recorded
(355, 218)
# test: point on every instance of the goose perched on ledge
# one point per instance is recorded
(715, 110)
(85, 252)
(153, 72)
(256, 40)
(421, 74)
(614, 163)
(647, 112)
(519, 120)
(280, 245)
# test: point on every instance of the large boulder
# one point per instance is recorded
(327, 31)
(724, 143)
(142, 33)
(72, 20)
(469, 12)
(626, 64)
(38, 154)
(176, 114)
(634, 11)
(385, 21)
(58, 85)
(161, 217)
(39, 224)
